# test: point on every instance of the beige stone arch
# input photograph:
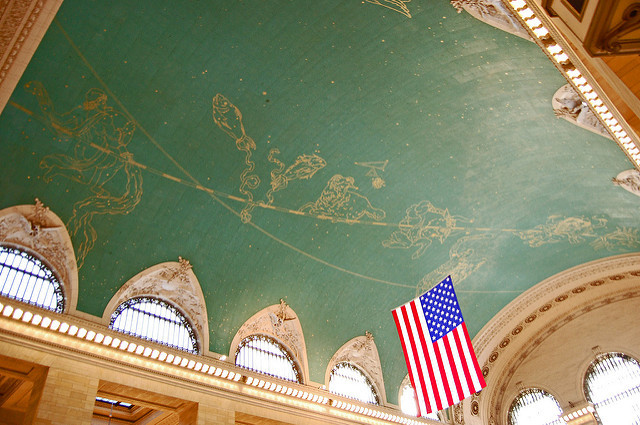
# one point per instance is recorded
(547, 337)
(37, 230)
(281, 323)
(175, 283)
(362, 352)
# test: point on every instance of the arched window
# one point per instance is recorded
(25, 278)
(535, 407)
(349, 381)
(612, 384)
(409, 404)
(264, 354)
(155, 320)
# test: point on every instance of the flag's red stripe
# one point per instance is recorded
(420, 376)
(406, 355)
(452, 365)
(442, 374)
(474, 359)
(428, 360)
(465, 365)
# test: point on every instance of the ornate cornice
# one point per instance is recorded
(507, 341)
(23, 23)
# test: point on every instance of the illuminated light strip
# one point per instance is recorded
(52, 324)
(575, 76)
(578, 413)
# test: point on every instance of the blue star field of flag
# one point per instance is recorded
(441, 309)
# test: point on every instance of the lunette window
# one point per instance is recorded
(263, 354)
(25, 278)
(535, 407)
(612, 384)
(349, 381)
(409, 404)
(155, 320)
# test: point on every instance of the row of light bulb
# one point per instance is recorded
(63, 327)
(578, 413)
(557, 53)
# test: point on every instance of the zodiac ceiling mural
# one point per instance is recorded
(342, 157)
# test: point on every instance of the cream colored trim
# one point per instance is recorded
(280, 322)
(36, 229)
(524, 324)
(362, 352)
(173, 282)
(23, 23)
(77, 347)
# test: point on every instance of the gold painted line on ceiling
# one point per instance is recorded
(210, 191)
(195, 183)
(115, 99)
(20, 107)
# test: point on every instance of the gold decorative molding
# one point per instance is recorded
(615, 28)
(521, 327)
(23, 23)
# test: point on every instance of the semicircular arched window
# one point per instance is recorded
(264, 354)
(25, 278)
(349, 381)
(612, 384)
(155, 320)
(409, 403)
(534, 406)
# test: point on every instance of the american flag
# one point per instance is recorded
(442, 365)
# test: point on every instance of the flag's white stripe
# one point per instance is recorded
(447, 370)
(469, 359)
(457, 358)
(433, 406)
(418, 378)
(428, 404)
(434, 364)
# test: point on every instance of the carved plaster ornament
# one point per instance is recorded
(35, 228)
(362, 352)
(180, 272)
(280, 322)
(629, 180)
(173, 282)
(568, 104)
(494, 13)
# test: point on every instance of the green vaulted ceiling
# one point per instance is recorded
(338, 154)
